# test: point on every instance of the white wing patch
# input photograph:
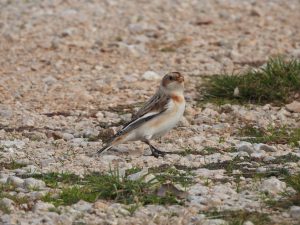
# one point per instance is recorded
(143, 117)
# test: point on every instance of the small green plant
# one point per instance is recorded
(112, 186)
(171, 174)
(240, 217)
(275, 82)
(11, 165)
(54, 209)
(294, 181)
(229, 165)
(205, 151)
(132, 171)
(272, 135)
(52, 179)
(132, 208)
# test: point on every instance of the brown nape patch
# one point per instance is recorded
(177, 98)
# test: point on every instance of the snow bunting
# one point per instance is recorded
(158, 115)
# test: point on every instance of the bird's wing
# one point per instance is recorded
(157, 103)
(152, 108)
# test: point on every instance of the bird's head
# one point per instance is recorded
(173, 82)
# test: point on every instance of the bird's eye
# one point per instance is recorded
(170, 78)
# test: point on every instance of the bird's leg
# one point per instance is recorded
(155, 152)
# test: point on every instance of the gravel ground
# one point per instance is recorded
(73, 71)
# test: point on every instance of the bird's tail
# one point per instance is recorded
(111, 144)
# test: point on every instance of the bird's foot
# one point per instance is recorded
(156, 153)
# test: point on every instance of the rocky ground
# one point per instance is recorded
(73, 71)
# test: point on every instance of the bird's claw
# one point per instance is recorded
(156, 153)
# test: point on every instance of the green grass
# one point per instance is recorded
(11, 165)
(240, 217)
(294, 182)
(229, 165)
(132, 171)
(53, 179)
(271, 135)
(205, 151)
(276, 82)
(238, 163)
(286, 159)
(111, 186)
(166, 173)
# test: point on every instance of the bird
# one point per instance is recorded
(156, 117)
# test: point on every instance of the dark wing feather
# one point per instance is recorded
(157, 104)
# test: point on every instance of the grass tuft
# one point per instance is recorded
(112, 186)
(240, 217)
(11, 165)
(166, 173)
(272, 135)
(53, 179)
(276, 82)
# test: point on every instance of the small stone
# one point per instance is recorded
(248, 223)
(243, 154)
(90, 133)
(55, 42)
(136, 28)
(295, 212)
(245, 147)
(19, 171)
(99, 205)
(273, 186)
(151, 75)
(150, 178)
(42, 206)
(293, 107)
(210, 112)
(264, 147)
(69, 31)
(67, 136)
(36, 195)
(30, 169)
(100, 116)
(12, 144)
(5, 112)
(183, 122)
(49, 80)
(15, 181)
(258, 154)
(261, 169)
(82, 206)
(28, 121)
(215, 222)
(269, 158)
(256, 12)
(3, 180)
(250, 116)
(196, 139)
(47, 162)
(236, 92)
(138, 175)
(32, 183)
(296, 53)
